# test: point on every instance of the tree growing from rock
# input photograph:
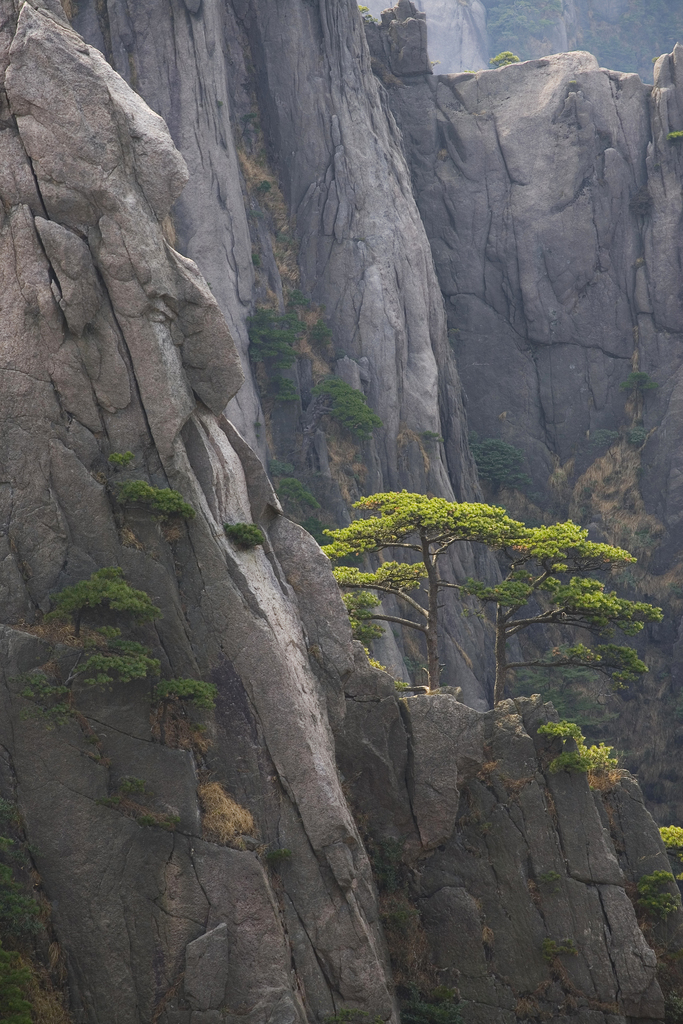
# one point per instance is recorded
(549, 579)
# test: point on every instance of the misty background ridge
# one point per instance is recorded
(624, 35)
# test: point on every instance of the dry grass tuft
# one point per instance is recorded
(515, 786)
(172, 727)
(70, 8)
(407, 941)
(223, 818)
(486, 772)
(407, 437)
(345, 466)
(129, 540)
(526, 1007)
(605, 781)
(47, 1002)
(61, 633)
(610, 486)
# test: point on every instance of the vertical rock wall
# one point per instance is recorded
(550, 192)
(112, 341)
(363, 252)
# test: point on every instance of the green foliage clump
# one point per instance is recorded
(638, 381)
(131, 785)
(501, 60)
(105, 591)
(498, 462)
(163, 501)
(351, 1017)
(348, 406)
(320, 334)
(50, 699)
(297, 298)
(279, 468)
(14, 977)
(121, 459)
(387, 857)
(283, 389)
(673, 1009)
(244, 535)
(551, 949)
(277, 857)
(366, 16)
(636, 436)
(316, 529)
(675, 137)
(193, 691)
(653, 896)
(438, 1008)
(603, 438)
(514, 23)
(105, 657)
(584, 759)
(19, 914)
(360, 606)
(272, 336)
(291, 488)
(672, 837)
(256, 259)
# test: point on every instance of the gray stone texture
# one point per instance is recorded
(505, 878)
(363, 251)
(457, 39)
(551, 197)
(113, 341)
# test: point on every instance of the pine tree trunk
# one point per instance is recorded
(433, 620)
(501, 658)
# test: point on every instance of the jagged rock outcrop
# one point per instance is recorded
(510, 878)
(457, 36)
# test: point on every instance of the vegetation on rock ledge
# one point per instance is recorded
(550, 579)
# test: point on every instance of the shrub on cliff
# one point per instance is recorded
(163, 501)
(498, 462)
(597, 758)
(550, 579)
(272, 336)
(348, 406)
(14, 978)
(503, 59)
(103, 655)
(244, 535)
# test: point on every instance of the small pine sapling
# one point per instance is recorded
(244, 535)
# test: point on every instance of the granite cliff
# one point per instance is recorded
(415, 841)
(554, 218)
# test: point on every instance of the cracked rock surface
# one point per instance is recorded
(112, 341)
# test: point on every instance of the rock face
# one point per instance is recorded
(524, 862)
(550, 192)
(363, 253)
(112, 341)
